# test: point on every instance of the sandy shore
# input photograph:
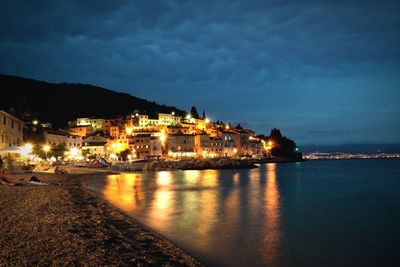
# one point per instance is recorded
(64, 224)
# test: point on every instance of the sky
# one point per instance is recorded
(323, 72)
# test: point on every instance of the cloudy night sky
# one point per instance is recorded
(323, 72)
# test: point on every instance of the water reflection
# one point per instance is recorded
(212, 213)
(162, 202)
(123, 189)
(272, 235)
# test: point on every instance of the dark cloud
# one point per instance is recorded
(303, 67)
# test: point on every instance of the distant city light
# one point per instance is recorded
(35, 122)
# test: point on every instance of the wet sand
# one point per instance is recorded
(65, 224)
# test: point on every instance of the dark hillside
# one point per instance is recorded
(59, 103)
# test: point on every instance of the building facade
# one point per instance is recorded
(11, 130)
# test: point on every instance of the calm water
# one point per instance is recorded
(317, 213)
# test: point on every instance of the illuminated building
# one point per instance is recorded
(202, 142)
(11, 130)
(164, 119)
(168, 119)
(230, 143)
(96, 124)
(181, 145)
(178, 129)
(94, 145)
(145, 145)
(81, 131)
(55, 138)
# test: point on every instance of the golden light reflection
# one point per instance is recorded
(272, 232)
(122, 191)
(164, 178)
(255, 193)
(192, 177)
(236, 178)
(209, 199)
(163, 201)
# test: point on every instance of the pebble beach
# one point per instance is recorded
(63, 223)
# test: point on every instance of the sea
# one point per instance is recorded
(313, 213)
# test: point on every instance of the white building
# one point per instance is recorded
(164, 119)
(168, 119)
(145, 121)
(55, 138)
(230, 144)
(96, 124)
(95, 145)
(181, 145)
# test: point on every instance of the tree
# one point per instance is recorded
(124, 154)
(283, 146)
(239, 127)
(194, 113)
(59, 150)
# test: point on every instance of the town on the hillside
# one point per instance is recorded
(134, 137)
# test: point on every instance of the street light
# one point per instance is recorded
(46, 149)
(26, 150)
(163, 137)
(129, 130)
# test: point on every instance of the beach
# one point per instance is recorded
(65, 224)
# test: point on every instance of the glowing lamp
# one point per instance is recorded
(129, 130)
(46, 148)
(73, 151)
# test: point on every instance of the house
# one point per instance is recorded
(216, 147)
(202, 143)
(81, 131)
(168, 119)
(54, 138)
(230, 143)
(181, 145)
(11, 130)
(94, 145)
(146, 145)
(96, 124)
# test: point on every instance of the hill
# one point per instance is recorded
(59, 103)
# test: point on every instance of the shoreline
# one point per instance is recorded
(196, 164)
(66, 223)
